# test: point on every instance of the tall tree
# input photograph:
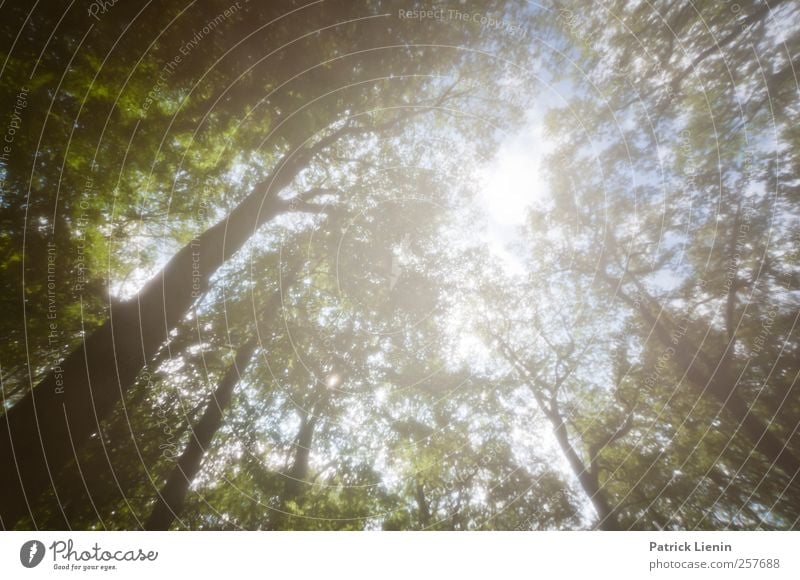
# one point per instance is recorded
(171, 496)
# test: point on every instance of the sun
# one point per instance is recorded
(333, 380)
(510, 184)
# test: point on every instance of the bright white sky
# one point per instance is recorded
(510, 184)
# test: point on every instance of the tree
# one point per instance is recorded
(357, 265)
(55, 418)
(697, 260)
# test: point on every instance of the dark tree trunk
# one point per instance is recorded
(721, 384)
(295, 477)
(422, 503)
(765, 441)
(607, 520)
(299, 470)
(40, 434)
(587, 477)
(171, 497)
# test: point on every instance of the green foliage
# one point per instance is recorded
(406, 376)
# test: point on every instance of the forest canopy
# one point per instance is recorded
(389, 265)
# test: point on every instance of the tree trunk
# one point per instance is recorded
(586, 477)
(299, 470)
(422, 504)
(765, 441)
(722, 385)
(40, 434)
(172, 495)
(588, 480)
(296, 477)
